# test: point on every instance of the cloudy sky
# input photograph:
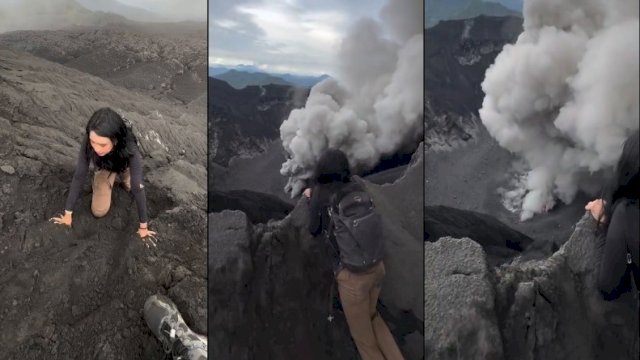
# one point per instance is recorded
(295, 36)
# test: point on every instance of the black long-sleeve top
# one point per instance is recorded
(135, 170)
(623, 237)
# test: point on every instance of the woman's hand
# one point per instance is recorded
(64, 219)
(596, 207)
(148, 237)
(307, 193)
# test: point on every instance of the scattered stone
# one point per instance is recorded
(8, 169)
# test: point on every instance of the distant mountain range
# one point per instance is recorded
(439, 10)
(242, 79)
(241, 76)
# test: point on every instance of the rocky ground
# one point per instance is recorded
(78, 293)
(539, 309)
(168, 63)
(272, 281)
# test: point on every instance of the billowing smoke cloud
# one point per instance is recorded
(375, 109)
(565, 95)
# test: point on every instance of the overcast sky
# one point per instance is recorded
(295, 36)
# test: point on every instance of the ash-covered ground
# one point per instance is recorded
(78, 293)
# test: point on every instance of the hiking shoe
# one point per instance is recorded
(166, 323)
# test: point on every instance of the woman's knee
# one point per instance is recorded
(99, 213)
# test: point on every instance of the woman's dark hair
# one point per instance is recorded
(108, 123)
(626, 182)
(333, 166)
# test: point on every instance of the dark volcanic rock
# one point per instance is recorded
(79, 293)
(545, 309)
(272, 287)
(501, 242)
(245, 122)
(259, 207)
(272, 281)
(456, 57)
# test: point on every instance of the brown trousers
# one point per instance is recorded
(359, 296)
(103, 181)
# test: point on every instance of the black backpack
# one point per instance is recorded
(357, 229)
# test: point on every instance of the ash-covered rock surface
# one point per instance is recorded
(78, 293)
(538, 309)
(165, 61)
(272, 281)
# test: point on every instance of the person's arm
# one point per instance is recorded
(613, 256)
(137, 188)
(79, 177)
(315, 213)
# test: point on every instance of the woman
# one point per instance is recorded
(619, 215)
(358, 291)
(111, 147)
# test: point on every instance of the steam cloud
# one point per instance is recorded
(565, 95)
(375, 109)
(39, 14)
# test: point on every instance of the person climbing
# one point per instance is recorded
(166, 323)
(341, 209)
(111, 147)
(618, 215)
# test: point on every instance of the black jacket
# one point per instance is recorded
(623, 237)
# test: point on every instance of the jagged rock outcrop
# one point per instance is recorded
(542, 309)
(272, 281)
(78, 293)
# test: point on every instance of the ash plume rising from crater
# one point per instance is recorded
(564, 97)
(374, 109)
